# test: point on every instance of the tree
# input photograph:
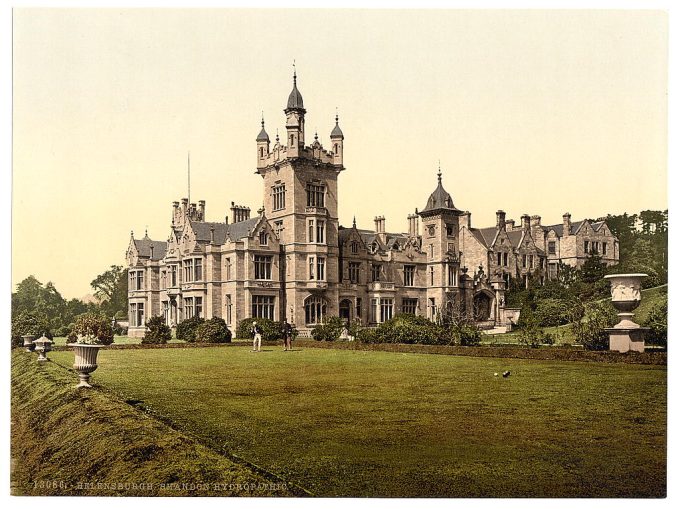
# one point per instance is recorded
(111, 290)
(593, 269)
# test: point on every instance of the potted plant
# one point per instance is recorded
(90, 333)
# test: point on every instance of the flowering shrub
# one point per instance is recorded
(91, 329)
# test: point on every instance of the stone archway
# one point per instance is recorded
(482, 305)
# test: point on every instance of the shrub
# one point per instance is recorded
(156, 331)
(91, 329)
(367, 335)
(186, 329)
(63, 331)
(25, 323)
(590, 330)
(214, 330)
(467, 334)
(529, 331)
(657, 321)
(118, 329)
(553, 312)
(271, 330)
(330, 330)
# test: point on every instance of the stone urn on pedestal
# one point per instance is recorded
(28, 342)
(626, 335)
(90, 333)
(86, 361)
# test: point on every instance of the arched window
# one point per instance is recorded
(315, 310)
(261, 152)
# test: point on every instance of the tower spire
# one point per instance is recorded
(439, 173)
(294, 73)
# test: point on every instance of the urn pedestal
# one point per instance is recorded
(626, 335)
(86, 361)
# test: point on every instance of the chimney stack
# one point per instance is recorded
(380, 228)
(467, 218)
(535, 221)
(412, 225)
(151, 249)
(526, 221)
(510, 223)
(566, 224)
(201, 210)
(500, 220)
(239, 213)
(212, 234)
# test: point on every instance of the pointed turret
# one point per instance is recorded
(295, 120)
(337, 140)
(262, 146)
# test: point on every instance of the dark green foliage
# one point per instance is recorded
(92, 325)
(657, 321)
(466, 334)
(111, 288)
(25, 323)
(593, 269)
(590, 330)
(330, 330)
(186, 329)
(156, 331)
(552, 312)
(214, 330)
(411, 329)
(271, 330)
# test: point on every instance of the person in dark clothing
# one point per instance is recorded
(287, 332)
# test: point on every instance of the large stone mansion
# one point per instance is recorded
(294, 260)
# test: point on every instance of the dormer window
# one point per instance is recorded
(264, 238)
(354, 247)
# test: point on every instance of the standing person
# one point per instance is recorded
(287, 335)
(257, 337)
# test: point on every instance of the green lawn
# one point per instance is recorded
(353, 423)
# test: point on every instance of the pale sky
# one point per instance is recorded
(540, 112)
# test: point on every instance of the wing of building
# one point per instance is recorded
(293, 260)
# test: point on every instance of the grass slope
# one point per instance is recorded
(62, 437)
(356, 423)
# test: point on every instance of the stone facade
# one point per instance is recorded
(294, 260)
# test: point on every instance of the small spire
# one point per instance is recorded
(336, 115)
(277, 135)
(439, 173)
(354, 221)
(132, 234)
(316, 135)
(294, 73)
(262, 119)
(146, 231)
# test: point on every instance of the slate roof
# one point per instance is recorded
(223, 231)
(144, 248)
(295, 97)
(263, 136)
(369, 235)
(439, 199)
(559, 228)
(337, 132)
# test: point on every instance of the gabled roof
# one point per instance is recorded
(144, 248)
(559, 228)
(223, 231)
